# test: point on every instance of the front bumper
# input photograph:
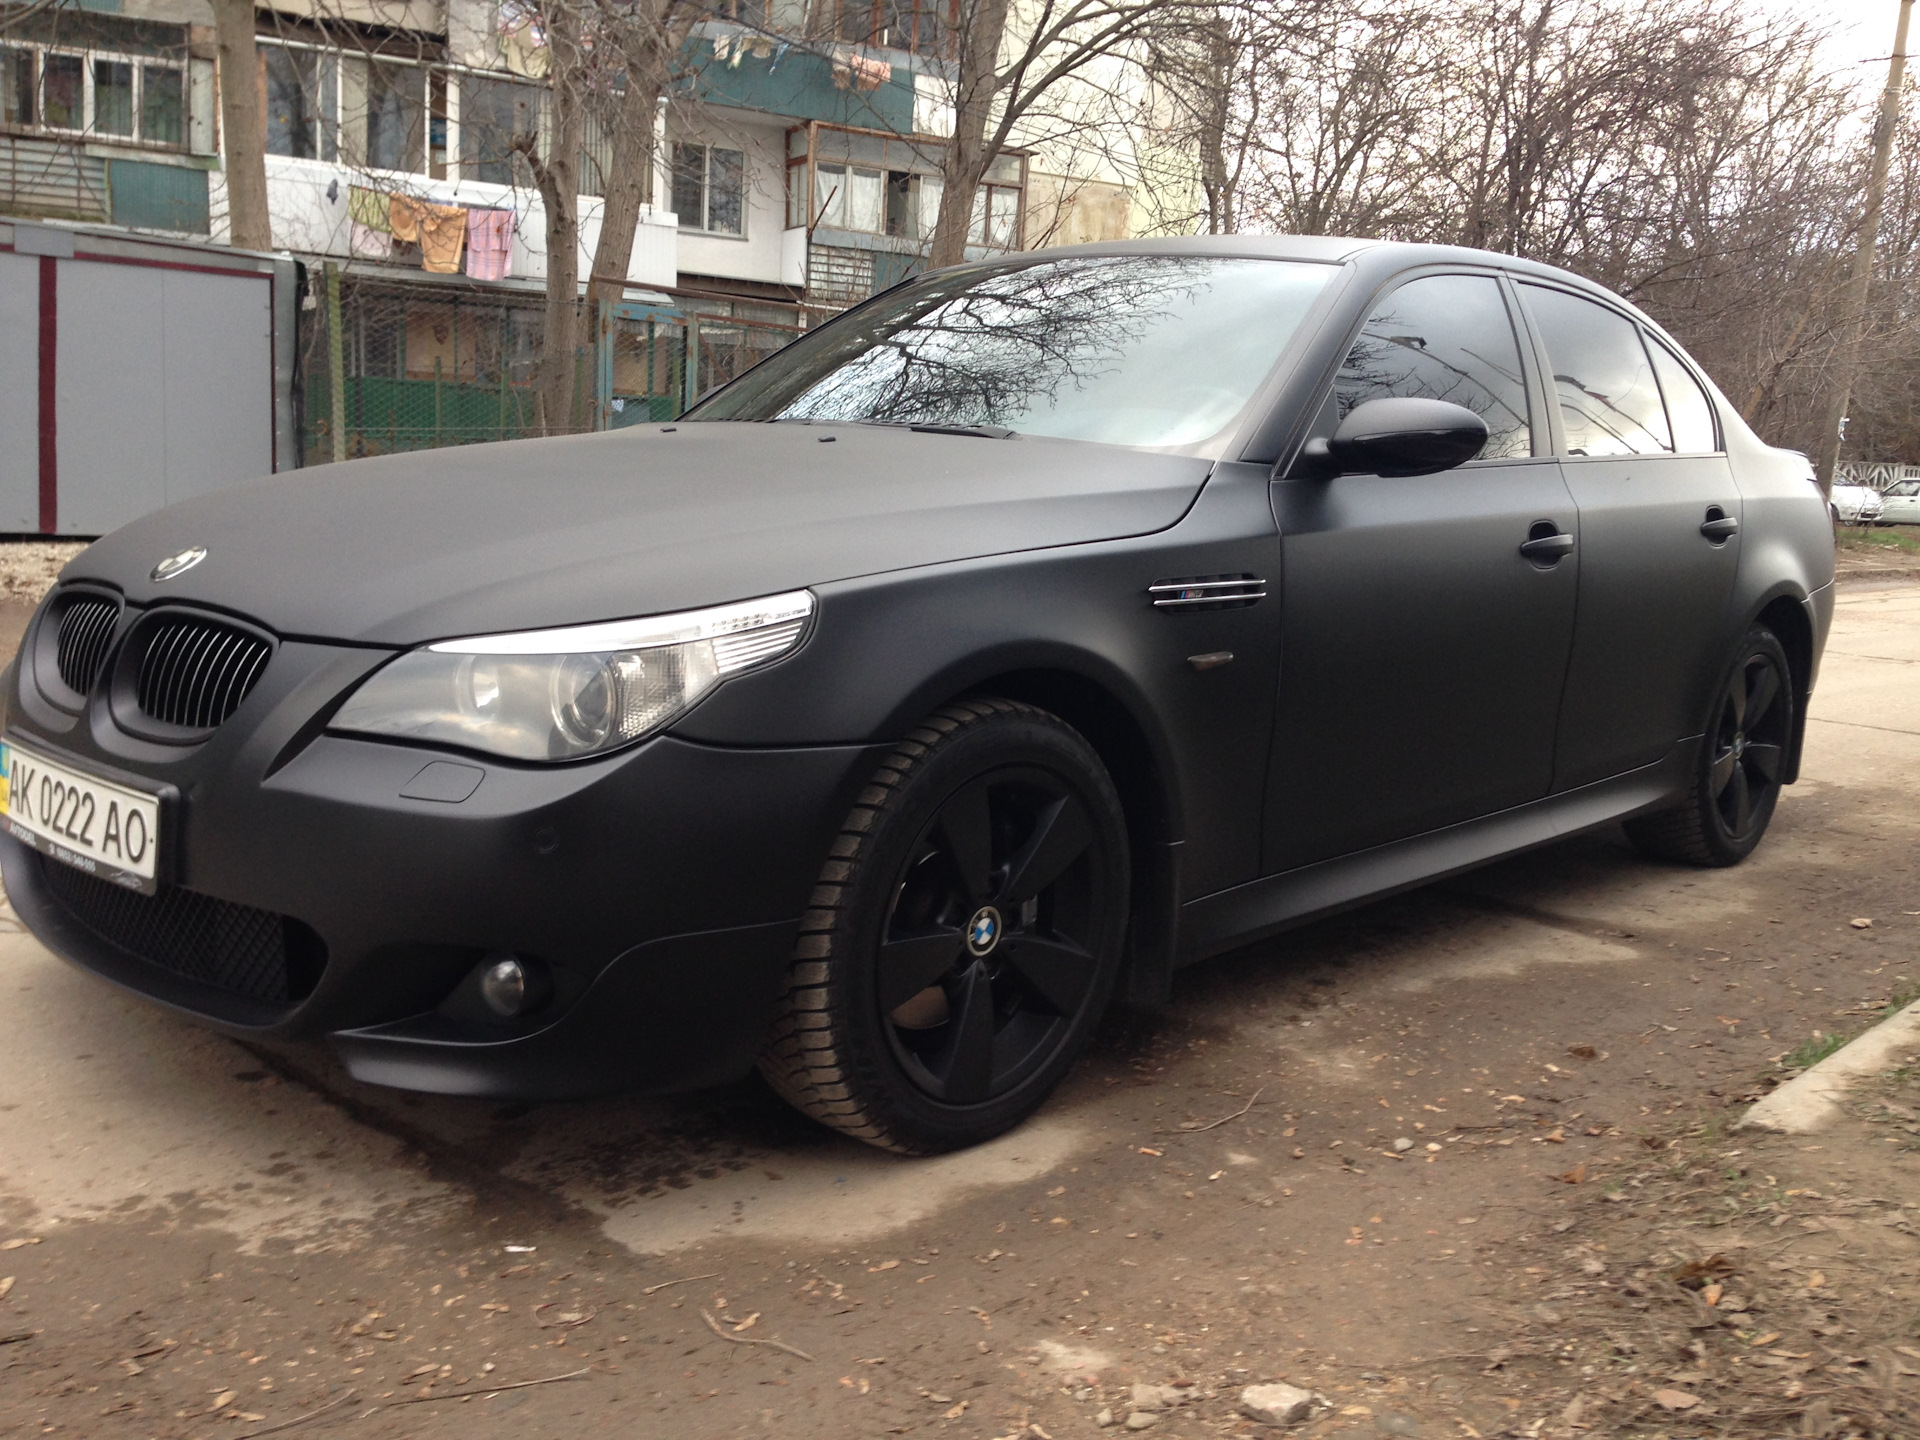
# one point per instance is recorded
(661, 885)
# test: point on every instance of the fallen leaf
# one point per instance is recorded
(224, 1399)
(1766, 1339)
(1583, 1052)
(1816, 1280)
(1145, 1151)
(1696, 1273)
(883, 1265)
(5, 1286)
(1861, 924)
(1675, 1399)
(1574, 1176)
(1712, 1293)
(1555, 1136)
(416, 1373)
(16, 1244)
(1908, 1351)
(957, 1411)
(497, 1306)
(748, 1323)
(1056, 1192)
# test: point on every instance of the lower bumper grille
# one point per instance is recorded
(216, 943)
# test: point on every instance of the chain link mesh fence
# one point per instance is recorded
(393, 367)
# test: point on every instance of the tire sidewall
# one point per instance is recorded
(1021, 738)
(1728, 849)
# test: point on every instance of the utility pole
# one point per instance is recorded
(1854, 317)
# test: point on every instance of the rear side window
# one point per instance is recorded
(1609, 402)
(1688, 408)
(1444, 337)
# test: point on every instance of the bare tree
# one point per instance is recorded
(243, 126)
(1007, 62)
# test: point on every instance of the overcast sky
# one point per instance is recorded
(1862, 32)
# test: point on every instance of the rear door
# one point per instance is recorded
(1659, 536)
(1422, 653)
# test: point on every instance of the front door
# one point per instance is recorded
(1659, 538)
(1422, 653)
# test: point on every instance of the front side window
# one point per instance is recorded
(1127, 350)
(709, 188)
(1444, 337)
(1688, 410)
(1609, 401)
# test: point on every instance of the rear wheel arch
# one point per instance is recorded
(1785, 614)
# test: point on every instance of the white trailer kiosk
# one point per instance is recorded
(136, 371)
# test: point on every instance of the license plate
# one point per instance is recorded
(79, 819)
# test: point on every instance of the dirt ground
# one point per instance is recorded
(199, 1238)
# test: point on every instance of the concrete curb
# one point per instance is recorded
(1811, 1100)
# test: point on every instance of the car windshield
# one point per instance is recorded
(1148, 350)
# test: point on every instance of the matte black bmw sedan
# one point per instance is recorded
(1032, 630)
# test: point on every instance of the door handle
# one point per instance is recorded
(1546, 545)
(1719, 526)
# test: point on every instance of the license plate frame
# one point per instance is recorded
(108, 828)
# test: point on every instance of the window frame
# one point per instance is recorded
(1648, 337)
(90, 58)
(706, 148)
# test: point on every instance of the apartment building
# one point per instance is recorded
(798, 171)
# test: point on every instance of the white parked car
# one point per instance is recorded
(1857, 505)
(1901, 504)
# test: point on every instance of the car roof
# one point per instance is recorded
(1381, 256)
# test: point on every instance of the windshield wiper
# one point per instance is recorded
(983, 432)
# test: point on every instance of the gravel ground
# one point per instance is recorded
(28, 568)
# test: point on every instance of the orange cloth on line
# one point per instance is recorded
(443, 234)
(403, 215)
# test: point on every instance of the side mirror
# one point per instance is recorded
(1399, 436)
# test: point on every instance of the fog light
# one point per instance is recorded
(513, 987)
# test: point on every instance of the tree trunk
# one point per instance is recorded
(243, 126)
(558, 177)
(967, 159)
(629, 185)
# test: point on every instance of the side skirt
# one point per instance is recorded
(1230, 918)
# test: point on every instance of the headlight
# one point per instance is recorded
(561, 694)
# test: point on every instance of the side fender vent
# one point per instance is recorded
(1208, 592)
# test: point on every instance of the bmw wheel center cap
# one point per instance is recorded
(176, 565)
(983, 931)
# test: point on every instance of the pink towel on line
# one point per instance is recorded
(489, 244)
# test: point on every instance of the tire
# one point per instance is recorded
(964, 936)
(1737, 778)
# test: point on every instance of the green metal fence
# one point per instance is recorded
(389, 367)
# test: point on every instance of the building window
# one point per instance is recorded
(996, 217)
(123, 97)
(492, 114)
(396, 116)
(709, 188)
(302, 103)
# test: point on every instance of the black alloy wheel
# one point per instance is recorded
(985, 959)
(965, 935)
(1742, 763)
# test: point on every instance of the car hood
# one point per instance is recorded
(527, 534)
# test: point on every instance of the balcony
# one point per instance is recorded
(307, 201)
